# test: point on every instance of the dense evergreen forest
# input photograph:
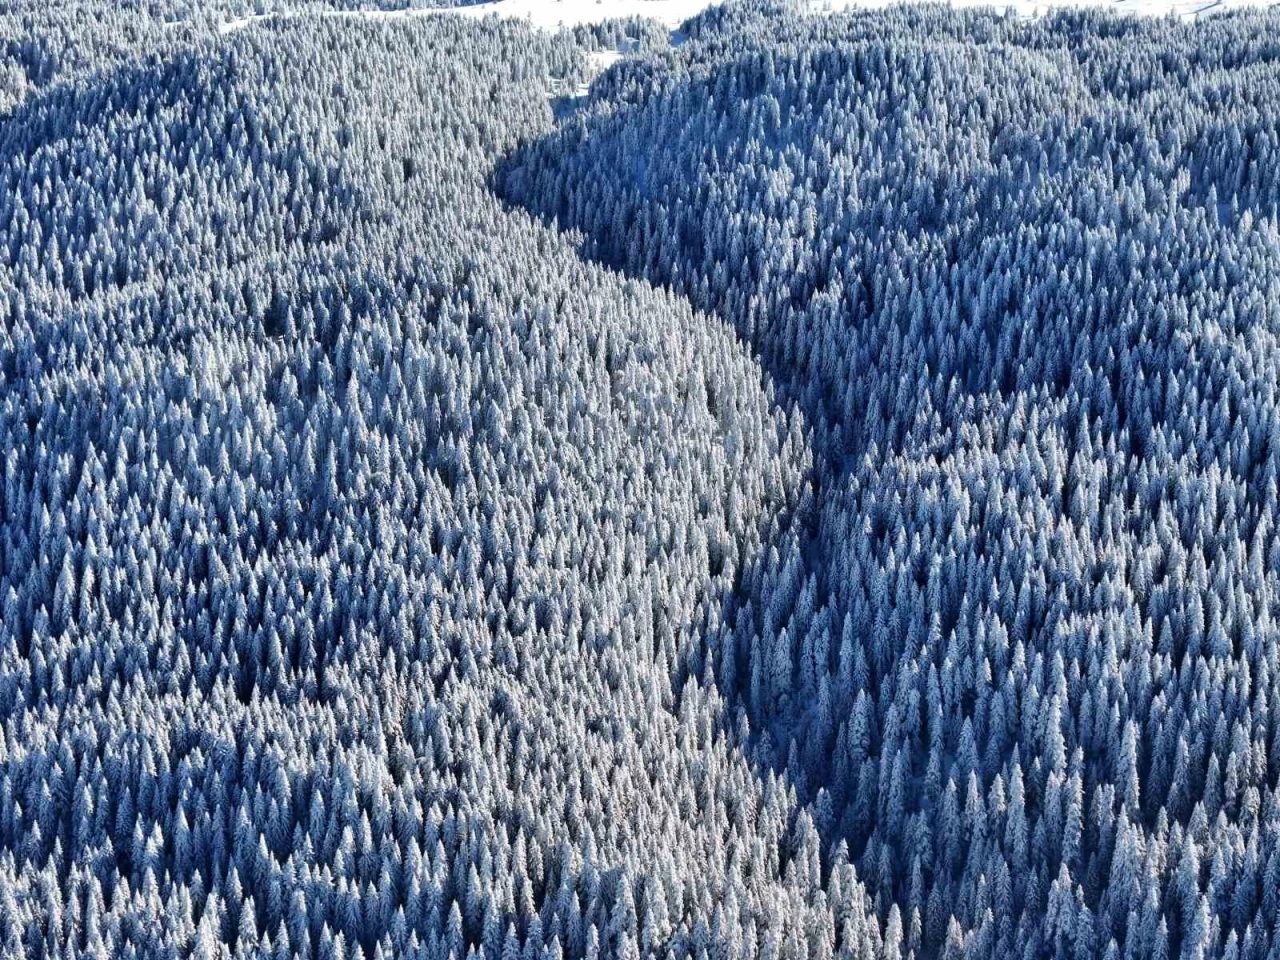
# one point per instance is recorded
(814, 496)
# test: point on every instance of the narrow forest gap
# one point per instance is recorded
(767, 737)
(794, 533)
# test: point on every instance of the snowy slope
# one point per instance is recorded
(552, 14)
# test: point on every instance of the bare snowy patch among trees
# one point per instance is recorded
(853, 535)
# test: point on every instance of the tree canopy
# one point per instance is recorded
(813, 496)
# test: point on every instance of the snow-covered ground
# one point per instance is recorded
(546, 14)
(1035, 8)
(556, 13)
(568, 13)
(231, 26)
(553, 14)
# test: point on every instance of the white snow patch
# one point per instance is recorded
(551, 14)
(597, 63)
(602, 60)
(555, 14)
(1186, 9)
(545, 14)
(231, 26)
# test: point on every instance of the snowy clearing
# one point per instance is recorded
(231, 26)
(554, 14)
(546, 14)
(551, 14)
(1035, 8)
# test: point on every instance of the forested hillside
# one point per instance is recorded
(358, 538)
(817, 497)
(1022, 281)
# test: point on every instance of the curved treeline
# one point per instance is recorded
(1023, 281)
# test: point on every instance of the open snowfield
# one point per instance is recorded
(553, 14)
(556, 13)
(1032, 8)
